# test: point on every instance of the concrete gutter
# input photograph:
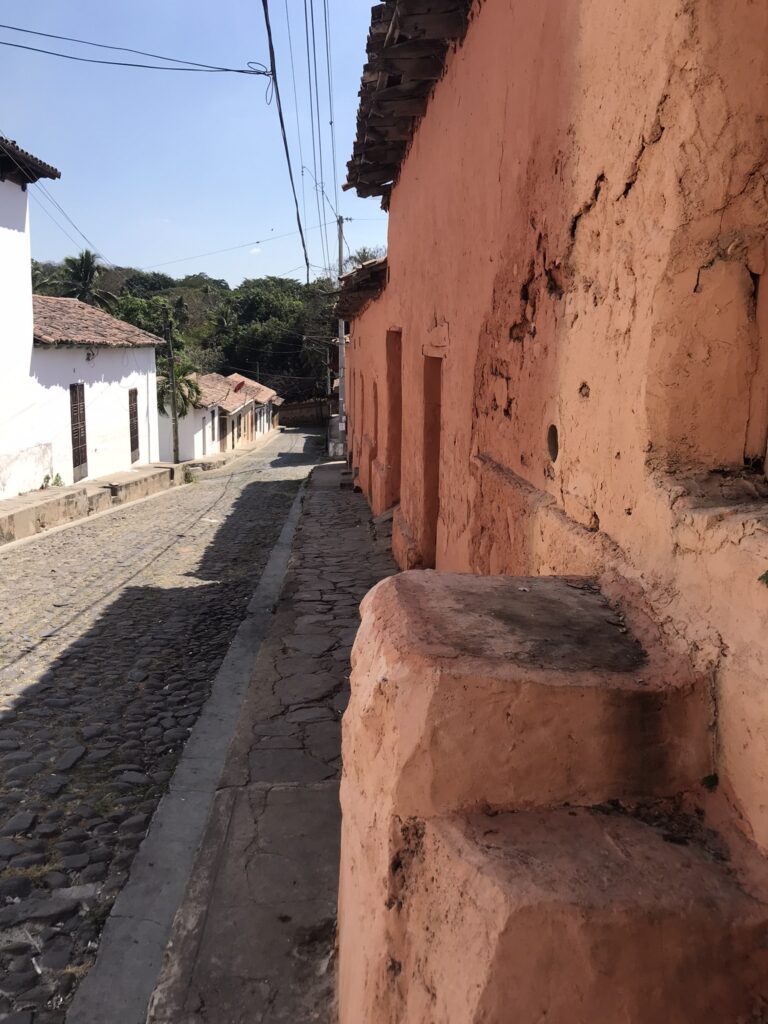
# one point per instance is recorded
(118, 987)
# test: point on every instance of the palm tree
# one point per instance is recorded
(79, 280)
(185, 385)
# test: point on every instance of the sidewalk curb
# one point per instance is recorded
(118, 987)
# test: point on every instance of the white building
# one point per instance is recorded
(77, 389)
(231, 412)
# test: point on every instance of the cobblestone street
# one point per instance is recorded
(254, 938)
(111, 632)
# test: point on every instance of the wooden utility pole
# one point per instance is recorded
(172, 385)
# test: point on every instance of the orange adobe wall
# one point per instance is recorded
(567, 368)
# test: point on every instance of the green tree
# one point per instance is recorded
(80, 280)
(44, 279)
(184, 382)
(363, 255)
(145, 284)
(147, 314)
(276, 330)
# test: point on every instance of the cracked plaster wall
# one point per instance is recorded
(578, 231)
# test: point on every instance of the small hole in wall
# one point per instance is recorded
(584, 390)
(553, 442)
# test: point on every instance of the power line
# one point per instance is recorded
(50, 215)
(122, 49)
(133, 64)
(44, 191)
(327, 253)
(230, 248)
(296, 110)
(64, 213)
(273, 376)
(332, 122)
(312, 101)
(273, 67)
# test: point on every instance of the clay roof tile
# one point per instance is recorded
(59, 321)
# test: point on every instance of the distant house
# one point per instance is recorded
(78, 386)
(231, 412)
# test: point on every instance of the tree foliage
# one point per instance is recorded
(80, 279)
(363, 255)
(276, 330)
(182, 381)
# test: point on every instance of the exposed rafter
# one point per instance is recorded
(407, 46)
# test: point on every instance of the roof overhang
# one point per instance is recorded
(20, 167)
(361, 286)
(408, 43)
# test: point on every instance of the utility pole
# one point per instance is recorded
(342, 350)
(172, 385)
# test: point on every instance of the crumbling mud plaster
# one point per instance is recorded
(578, 233)
(494, 852)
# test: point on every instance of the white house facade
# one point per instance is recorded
(78, 387)
(231, 412)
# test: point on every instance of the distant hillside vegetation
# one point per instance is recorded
(274, 329)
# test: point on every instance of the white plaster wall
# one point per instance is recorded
(44, 416)
(195, 439)
(195, 442)
(24, 462)
(15, 296)
(35, 433)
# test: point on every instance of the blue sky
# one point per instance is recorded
(158, 166)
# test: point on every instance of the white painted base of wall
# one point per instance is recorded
(35, 431)
(199, 436)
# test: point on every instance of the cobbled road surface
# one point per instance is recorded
(111, 632)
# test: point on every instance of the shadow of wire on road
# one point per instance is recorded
(91, 747)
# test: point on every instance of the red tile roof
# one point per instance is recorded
(217, 390)
(258, 392)
(71, 322)
(18, 165)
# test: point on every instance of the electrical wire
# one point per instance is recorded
(296, 110)
(48, 214)
(121, 49)
(272, 376)
(231, 248)
(332, 116)
(44, 192)
(278, 102)
(133, 64)
(319, 125)
(312, 105)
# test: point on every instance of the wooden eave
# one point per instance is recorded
(408, 43)
(361, 286)
(21, 167)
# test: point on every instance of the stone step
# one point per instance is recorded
(569, 917)
(514, 692)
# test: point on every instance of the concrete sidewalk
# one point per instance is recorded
(253, 940)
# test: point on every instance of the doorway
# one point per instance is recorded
(394, 416)
(77, 421)
(133, 422)
(430, 451)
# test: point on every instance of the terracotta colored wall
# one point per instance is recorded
(579, 233)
